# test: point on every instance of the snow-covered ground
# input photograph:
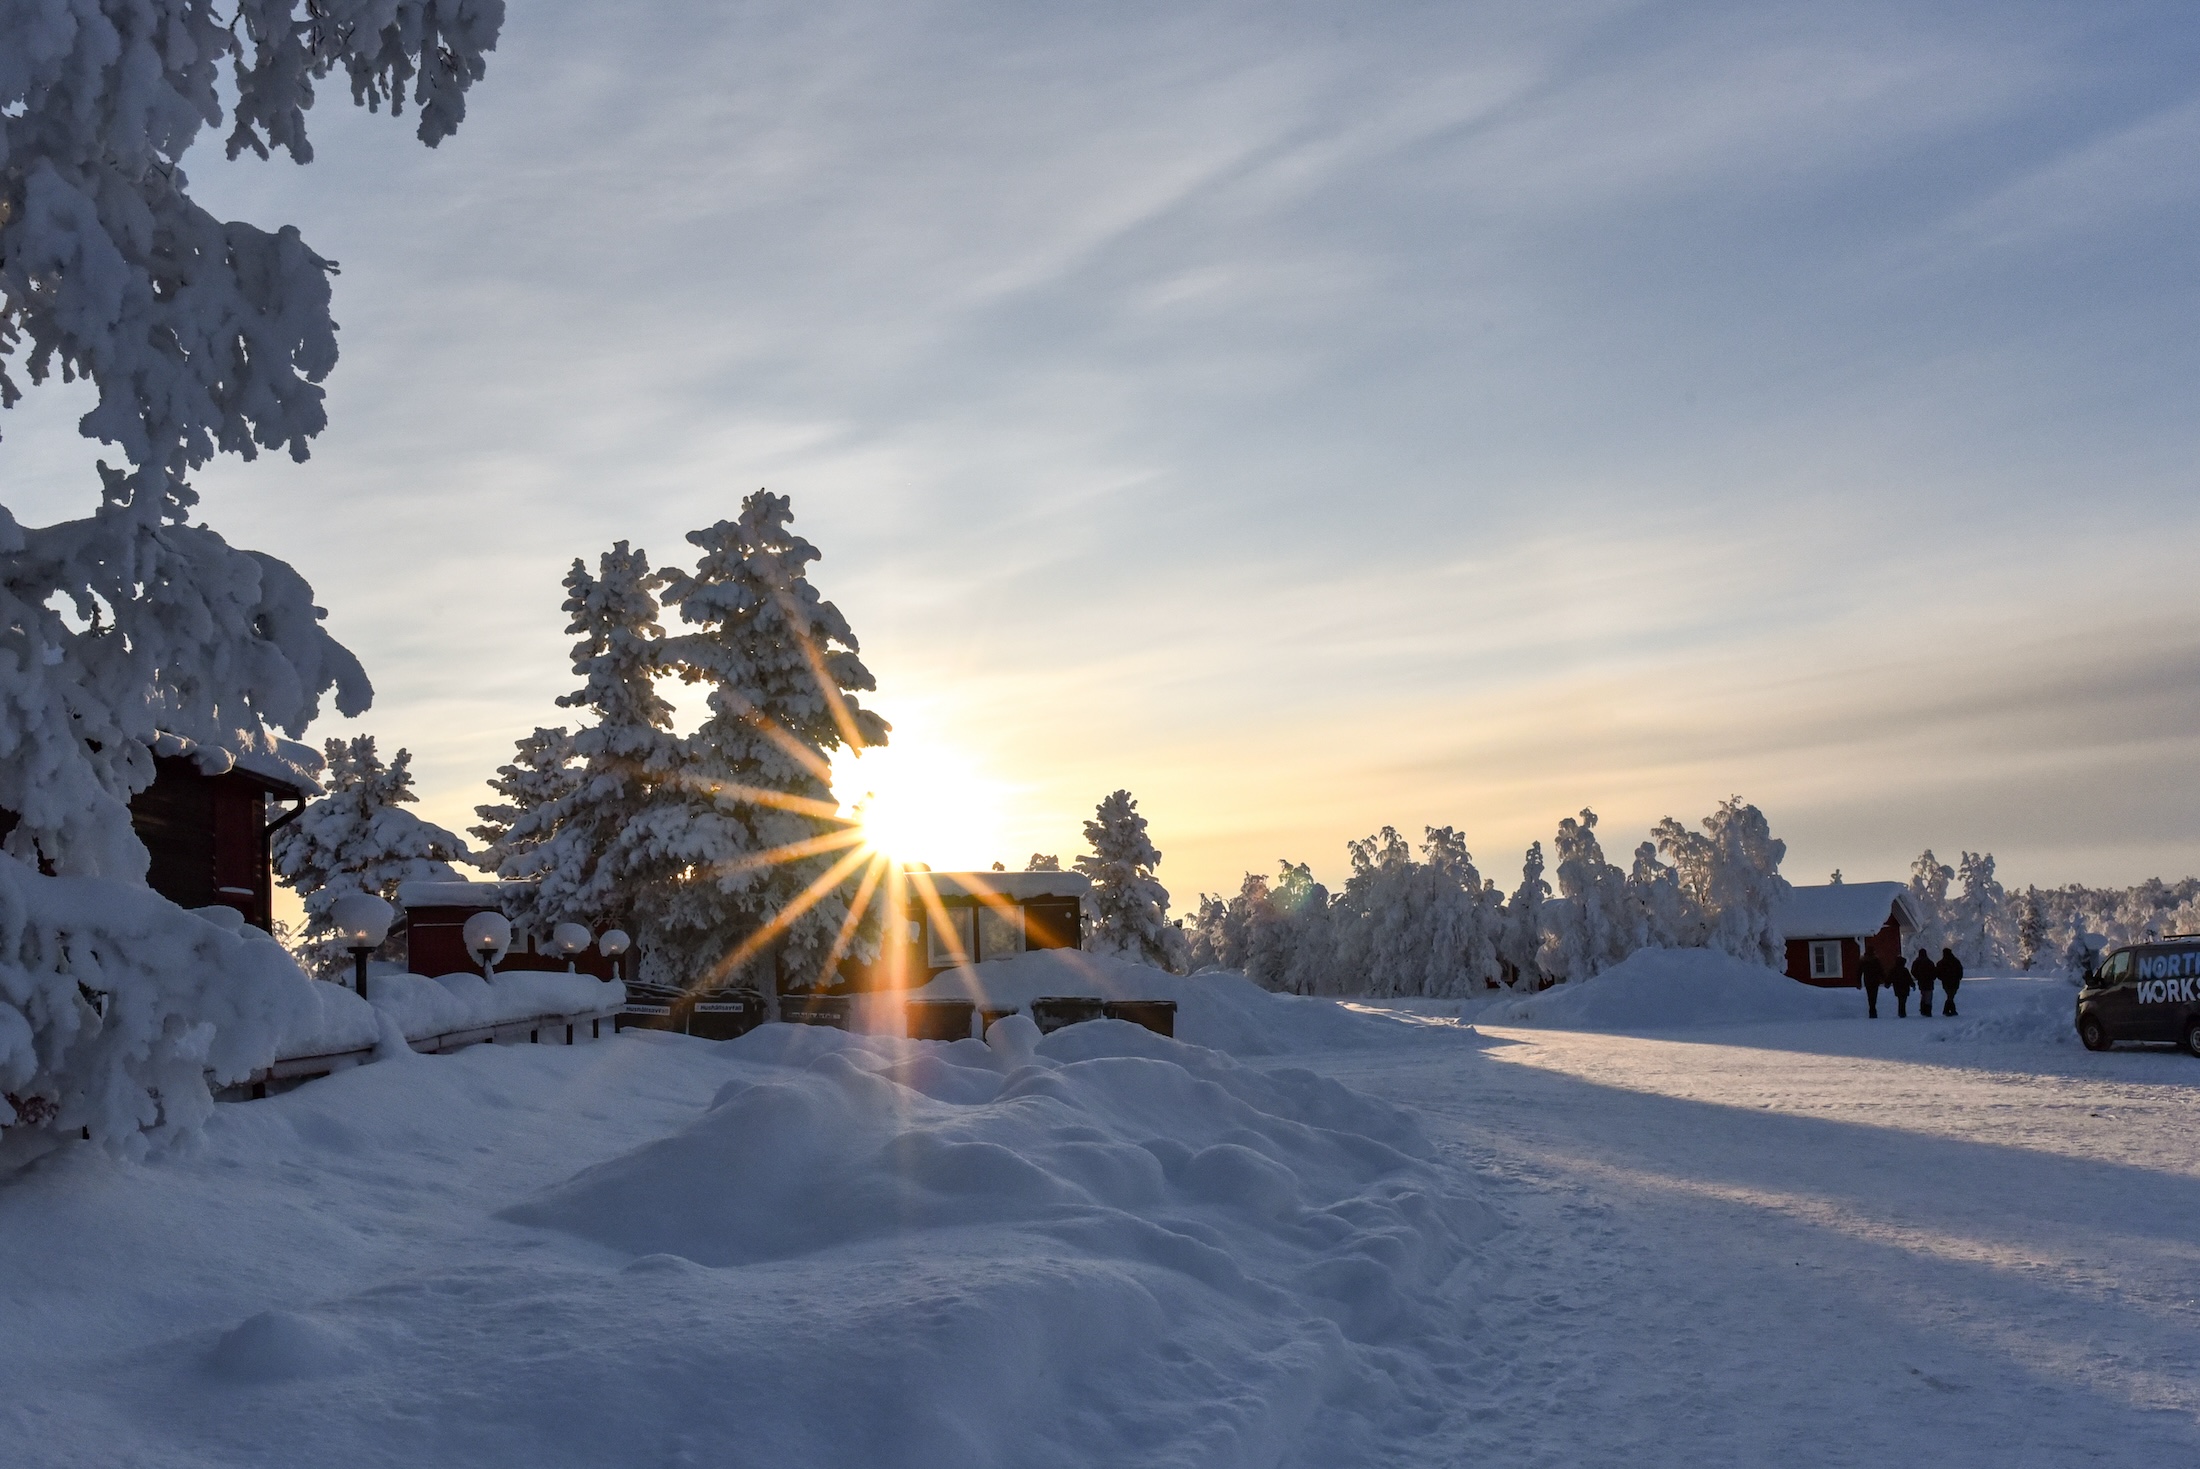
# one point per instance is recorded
(1818, 1240)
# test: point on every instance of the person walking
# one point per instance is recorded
(1950, 969)
(1923, 970)
(1898, 975)
(1874, 974)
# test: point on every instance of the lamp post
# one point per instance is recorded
(613, 944)
(571, 940)
(363, 921)
(488, 934)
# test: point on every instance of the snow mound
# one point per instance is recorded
(275, 1346)
(2017, 1009)
(1221, 1009)
(1125, 1247)
(1675, 989)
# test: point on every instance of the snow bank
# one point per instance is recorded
(1102, 1246)
(1676, 989)
(116, 1005)
(1221, 1009)
(2022, 1009)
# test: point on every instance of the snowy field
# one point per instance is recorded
(1775, 1233)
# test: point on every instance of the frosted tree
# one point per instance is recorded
(358, 837)
(1460, 929)
(1522, 945)
(2031, 927)
(1291, 948)
(1220, 934)
(1043, 862)
(1929, 879)
(1129, 915)
(1978, 917)
(1380, 948)
(540, 774)
(1731, 871)
(586, 843)
(767, 867)
(1671, 918)
(198, 337)
(1602, 924)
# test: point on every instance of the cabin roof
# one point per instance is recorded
(1015, 887)
(1845, 910)
(284, 764)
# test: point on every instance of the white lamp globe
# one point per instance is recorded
(571, 938)
(614, 943)
(488, 935)
(362, 919)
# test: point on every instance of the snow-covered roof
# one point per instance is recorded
(427, 894)
(281, 762)
(1845, 910)
(1015, 887)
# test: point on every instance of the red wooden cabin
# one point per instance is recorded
(1830, 926)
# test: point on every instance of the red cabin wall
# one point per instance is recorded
(435, 943)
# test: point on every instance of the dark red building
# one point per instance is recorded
(430, 933)
(1829, 927)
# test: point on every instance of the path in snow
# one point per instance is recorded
(1823, 1243)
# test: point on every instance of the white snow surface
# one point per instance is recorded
(1811, 1240)
(1675, 989)
(1218, 1008)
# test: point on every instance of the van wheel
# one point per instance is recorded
(2192, 1036)
(2094, 1035)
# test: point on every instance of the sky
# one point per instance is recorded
(1307, 417)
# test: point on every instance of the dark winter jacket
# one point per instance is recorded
(1874, 973)
(1898, 975)
(1950, 968)
(1925, 970)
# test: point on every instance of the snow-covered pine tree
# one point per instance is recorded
(2031, 927)
(1129, 914)
(767, 867)
(1929, 879)
(1043, 862)
(1978, 917)
(1731, 870)
(541, 773)
(587, 847)
(1602, 924)
(358, 837)
(1671, 918)
(1292, 949)
(1522, 945)
(199, 337)
(1460, 942)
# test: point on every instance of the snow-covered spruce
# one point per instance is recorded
(1128, 911)
(358, 837)
(583, 812)
(764, 866)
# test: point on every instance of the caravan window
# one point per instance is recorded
(1000, 932)
(949, 944)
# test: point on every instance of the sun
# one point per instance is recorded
(922, 802)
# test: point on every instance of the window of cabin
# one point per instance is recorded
(950, 943)
(1825, 959)
(1000, 932)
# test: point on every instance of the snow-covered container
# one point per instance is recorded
(1829, 927)
(936, 921)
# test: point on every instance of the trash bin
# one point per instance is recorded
(724, 1015)
(1158, 1016)
(939, 1020)
(1052, 1012)
(654, 1007)
(987, 1016)
(815, 1010)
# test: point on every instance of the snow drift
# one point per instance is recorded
(1100, 1246)
(1675, 989)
